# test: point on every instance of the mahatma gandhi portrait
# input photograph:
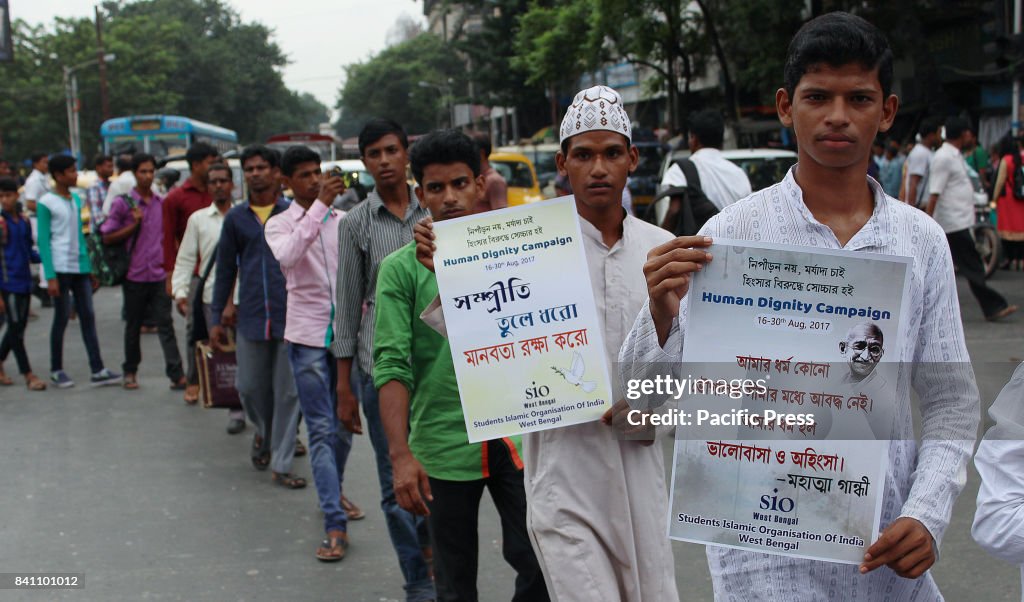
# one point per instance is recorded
(863, 349)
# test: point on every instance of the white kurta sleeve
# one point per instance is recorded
(950, 408)
(999, 520)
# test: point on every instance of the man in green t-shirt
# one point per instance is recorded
(977, 158)
(437, 472)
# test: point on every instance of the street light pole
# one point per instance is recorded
(76, 149)
(71, 99)
(446, 93)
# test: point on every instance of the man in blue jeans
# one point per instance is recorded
(68, 272)
(369, 233)
(304, 239)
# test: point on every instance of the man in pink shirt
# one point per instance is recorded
(304, 239)
(494, 194)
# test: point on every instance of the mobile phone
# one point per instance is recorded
(346, 177)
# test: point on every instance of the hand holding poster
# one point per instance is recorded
(521, 320)
(794, 463)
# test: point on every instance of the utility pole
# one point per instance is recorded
(1015, 102)
(104, 99)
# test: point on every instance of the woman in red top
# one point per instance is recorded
(1009, 209)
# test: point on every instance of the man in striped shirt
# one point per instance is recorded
(368, 234)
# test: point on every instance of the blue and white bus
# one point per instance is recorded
(163, 135)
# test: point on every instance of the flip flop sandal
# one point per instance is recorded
(352, 511)
(288, 480)
(332, 549)
(36, 384)
(261, 461)
(5, 380)
(130, 383)
(300, 449)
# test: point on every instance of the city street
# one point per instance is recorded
(151, 499)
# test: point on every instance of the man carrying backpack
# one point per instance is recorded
(707, 181)
(137, 218)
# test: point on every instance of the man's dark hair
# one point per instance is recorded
(483, 142)
(198, 152)
(8, 185)
(269, 155)
(100, 159)
(36, 156)
(60, 163)
(138, 159)
(123, 163)
(376, 129)
(837, 39)
(929, 125)
(955, 127)
(708, 126)
(297, 155)
(443, 147)
(222, 167)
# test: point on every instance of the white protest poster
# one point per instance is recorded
(521, 320)
(789, 455)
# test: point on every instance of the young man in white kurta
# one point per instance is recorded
(596, 503)
(934, 334)
(836, 111)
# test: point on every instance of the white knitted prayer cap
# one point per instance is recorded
(594, 109)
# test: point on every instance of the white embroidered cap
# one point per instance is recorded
(593, 109)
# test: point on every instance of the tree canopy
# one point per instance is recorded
(194, 58)
(388, 85)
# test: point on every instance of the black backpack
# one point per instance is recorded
(696, 209)
(110, 262)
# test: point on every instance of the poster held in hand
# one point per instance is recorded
(521, 319)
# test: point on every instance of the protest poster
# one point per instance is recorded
(521, 319)
(795, 403)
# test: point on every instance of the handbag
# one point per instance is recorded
(200, 329)
(217, 371)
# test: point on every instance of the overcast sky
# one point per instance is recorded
(318, 36)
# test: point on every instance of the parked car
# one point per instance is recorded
(764, 167)
(519, 175)
(645, 181)
(542, 156)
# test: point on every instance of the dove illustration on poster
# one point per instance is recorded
(574, 375)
